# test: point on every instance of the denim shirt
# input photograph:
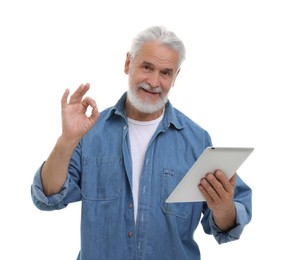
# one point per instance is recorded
(100, 176)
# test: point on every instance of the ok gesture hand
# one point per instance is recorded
(75, 122)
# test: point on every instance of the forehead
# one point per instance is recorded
(158, 54)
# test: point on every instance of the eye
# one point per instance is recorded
(146, 67)
(166, 73)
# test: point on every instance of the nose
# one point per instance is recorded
(154, 80)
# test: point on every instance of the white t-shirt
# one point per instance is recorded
(140, 134)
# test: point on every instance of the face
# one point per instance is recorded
(152, 73)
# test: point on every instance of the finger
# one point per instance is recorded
(77, 96)
(209, 189)
(64, 98)
(204, 193)
(227, 184)
(233, 179)
(88, 101)
(94, 114)
(216, 185)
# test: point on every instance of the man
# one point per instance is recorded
(123, 163)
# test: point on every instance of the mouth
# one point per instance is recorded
(146, 88)
(149, 91)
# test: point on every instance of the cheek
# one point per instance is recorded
(166, 85)
(137, 78)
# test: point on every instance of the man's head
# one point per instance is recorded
(162, 35)
(152, 64)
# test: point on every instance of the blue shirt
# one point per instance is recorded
(100, 175)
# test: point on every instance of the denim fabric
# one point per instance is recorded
(100, 176)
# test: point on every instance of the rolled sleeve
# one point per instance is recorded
(234, 233)
(44, 202)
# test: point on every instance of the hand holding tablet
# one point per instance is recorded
(226, 159)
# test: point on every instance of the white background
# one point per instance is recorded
(233, 83)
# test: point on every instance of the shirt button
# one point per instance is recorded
(130, 234)
(130, 205)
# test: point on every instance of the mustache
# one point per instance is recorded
(148, 87)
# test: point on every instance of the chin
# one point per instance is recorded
(146, 106)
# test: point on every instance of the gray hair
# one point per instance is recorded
(161, 34)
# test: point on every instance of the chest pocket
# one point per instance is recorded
(101, 178)
(169, 182)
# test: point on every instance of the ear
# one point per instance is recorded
(127, 63)
(175, 77)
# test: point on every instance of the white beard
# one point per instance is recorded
(146, 106)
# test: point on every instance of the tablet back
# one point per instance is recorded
(226, 159)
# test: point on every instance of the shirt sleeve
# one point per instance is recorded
(44, 202)
(234, 233)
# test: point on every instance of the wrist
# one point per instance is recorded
(67, 144)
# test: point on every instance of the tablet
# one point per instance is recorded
(226, 159)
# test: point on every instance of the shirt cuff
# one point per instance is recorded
(40, 199)
(234, 233)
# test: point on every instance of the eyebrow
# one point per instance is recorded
(152, 65)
